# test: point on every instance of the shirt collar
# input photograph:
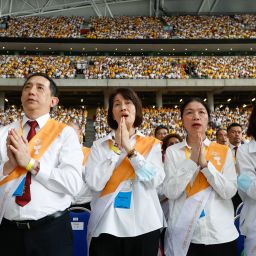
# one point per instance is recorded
(232, 146)
(40, 120)
(111, 135)
(184, 143)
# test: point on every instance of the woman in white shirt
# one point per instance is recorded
(123, 170)
(246, 163)
(200, 182)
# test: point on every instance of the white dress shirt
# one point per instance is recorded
(59, 177)
(217, 226)
(246, 164)
(145, 213)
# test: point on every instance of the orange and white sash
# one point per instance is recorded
(124, 171)
(180, 236)
(86, 152)
(37, 146)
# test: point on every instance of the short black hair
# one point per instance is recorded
(220, 129)
(167, 137)
(53, 86)
(128, 94)
(251, 131)
(195, 99)
(234, 125)
(159, 127)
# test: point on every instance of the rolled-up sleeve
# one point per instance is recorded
(177, 177)
(224, 182)
(246, 164)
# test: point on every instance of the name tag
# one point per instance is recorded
(123, 200)
(20, 188)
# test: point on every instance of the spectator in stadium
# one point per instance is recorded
(124, 169)
(234, 132)
(170, 140)
(34, 216)
(246, 164)
(222, 137)
(161, 131)
(199, 189)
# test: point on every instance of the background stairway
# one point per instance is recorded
(89, 133)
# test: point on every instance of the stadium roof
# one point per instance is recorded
(112, 8)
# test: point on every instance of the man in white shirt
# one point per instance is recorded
(35, 220)
(235, 132)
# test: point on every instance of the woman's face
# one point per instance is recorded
(123, 108)
(172, 141)
(195, 118)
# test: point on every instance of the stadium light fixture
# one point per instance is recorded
(205, 99)
(3, 47)
(82, 100)
(253, 99)
(175, 106)
(221, 106)
(244, 106)
(181, 100)
(186, 49)
(173, 49)
(6, 99)
(228, 100)
(206, 49)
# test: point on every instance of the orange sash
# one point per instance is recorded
(86, 152)
(125, 170)
(44, 139)
(216, 153)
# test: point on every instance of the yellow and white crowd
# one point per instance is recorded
(123, 27)
(132, 67)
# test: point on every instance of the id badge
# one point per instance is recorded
(123, 200)
(20, 188)
(202, 214)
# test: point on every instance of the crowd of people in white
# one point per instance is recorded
(132, 67)
(123, 27)
(170, 117)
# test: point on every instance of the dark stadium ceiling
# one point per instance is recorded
(112, 8)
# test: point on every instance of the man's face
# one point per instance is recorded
(36, 96)
(222, 137)
(235, 135)
(161, 133)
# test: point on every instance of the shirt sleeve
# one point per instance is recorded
(224, 183)
(179, 172)
(100, 166)
(246, 168)
(66, 175)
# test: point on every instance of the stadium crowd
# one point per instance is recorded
(123, 27)
(170, 117)
(132, 67)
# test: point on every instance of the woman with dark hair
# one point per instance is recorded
(170, 140)
(124, 169)
(200, 182)
(246, 164)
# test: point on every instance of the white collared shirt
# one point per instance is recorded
(246, 164)
(217, 226)
(59, 177)
(145, 214)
